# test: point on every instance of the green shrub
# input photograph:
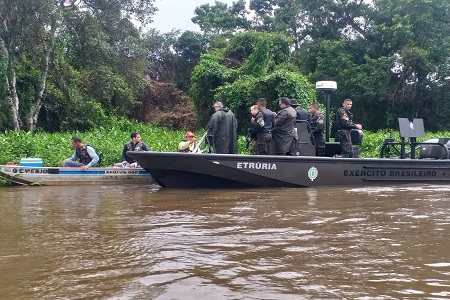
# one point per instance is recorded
(54, 147)
(109, 139)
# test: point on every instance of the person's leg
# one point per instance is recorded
(71, 163)
(122, 165)
(320, 144)
(266, 144)
(346, 144)
(254, 149)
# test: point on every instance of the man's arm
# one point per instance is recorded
(259, 121)
(145, 147)
(345, 121)
(281, 118)
(93, 155)
(212, 127)
(74, 156)
(183, 145)
(320, 123)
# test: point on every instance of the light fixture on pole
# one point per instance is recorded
(328, 87)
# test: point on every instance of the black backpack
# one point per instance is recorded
(335, 126)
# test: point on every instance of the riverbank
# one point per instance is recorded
(54, 147)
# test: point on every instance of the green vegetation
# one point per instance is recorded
(373, 141)
(72, 65)
(54, 147)
(253, 65)
(84, 67)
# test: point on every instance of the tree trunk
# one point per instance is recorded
(10, 86)
(33, 114)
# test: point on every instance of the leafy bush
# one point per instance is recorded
(54, 147)
(163, 105)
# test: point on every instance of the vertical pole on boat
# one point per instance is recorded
(328, 87)
(402, 149)
(327, 127)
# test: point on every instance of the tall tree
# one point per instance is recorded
(252, 66)
(392, 56)
(221, 18)
(263, 19)
(29, 29)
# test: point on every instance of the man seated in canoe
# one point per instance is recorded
(189, 144)
(84, 155)
(135, 144)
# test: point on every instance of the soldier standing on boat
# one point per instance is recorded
(283, 134)
(222, 130)
(135, 144)
(345, 118)
(302, 114)
(251, 135)
(263, 125)
(317, 120)
(84, 155)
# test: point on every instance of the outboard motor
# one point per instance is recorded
(434, 151)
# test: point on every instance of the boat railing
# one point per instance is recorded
(402, 153)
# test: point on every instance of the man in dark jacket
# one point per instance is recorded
(345, 118)
(222, 130)
(135, 144)
(283, 134)
(302, 114)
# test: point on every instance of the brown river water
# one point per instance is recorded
(142, 242)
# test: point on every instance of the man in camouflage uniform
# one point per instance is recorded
(317, 120)
(251, 136)
(263, 124)
(345, 118)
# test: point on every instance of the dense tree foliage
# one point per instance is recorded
(69, 47)
(390, 56)
(68, 64)
(247, 69)
(222, 19)
(393, 61)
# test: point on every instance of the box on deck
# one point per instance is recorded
(32, 162)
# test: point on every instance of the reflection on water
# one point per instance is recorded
(139, 242)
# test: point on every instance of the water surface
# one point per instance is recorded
(140, 242)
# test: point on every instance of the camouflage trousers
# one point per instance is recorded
(262, 145)
(319, 141)
(346, 143)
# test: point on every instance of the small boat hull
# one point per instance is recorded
(184, 170)
(25, 175)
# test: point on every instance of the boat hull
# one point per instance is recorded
(24, 175)
(184, 170)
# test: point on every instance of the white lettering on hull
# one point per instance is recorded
(256, 166)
